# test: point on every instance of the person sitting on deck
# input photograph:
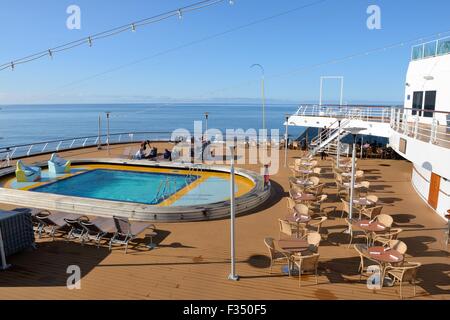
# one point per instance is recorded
(153, 153)
(140, 154)
(167, 155)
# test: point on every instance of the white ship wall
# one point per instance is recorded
(437, 71)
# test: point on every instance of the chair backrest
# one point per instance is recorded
(398, 245)
(269, 242)
(298, 162)
(409, 271)
(375, 212)
(44, 218)
(372, 198)
(317, 170)
(285, 227)
(301, 209)
(74, 224)
(345, 206)
(319, 189)
(359, 174)
(365, 184)
(385, 220)
(309, 263)
(315, 180)
(314, 163)
(290, 204)
(122, 225)
(339, 178)
(292, 193)
(394, 233)
(361, 249)
(314, 239)
(322, 198)
(90, 228)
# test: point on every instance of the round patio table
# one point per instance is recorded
(302, 182)
(305, 197)
(298, 219)
(385, 256)
(370, 228)
(363, 202)
(292, 246)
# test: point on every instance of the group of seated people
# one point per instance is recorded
(152, 154)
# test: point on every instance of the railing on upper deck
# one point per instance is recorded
(424, 125)
(431, 49)
(358, 112)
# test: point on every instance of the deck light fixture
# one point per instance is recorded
(354, 132)
(180, 14)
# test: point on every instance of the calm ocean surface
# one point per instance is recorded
(36, 123)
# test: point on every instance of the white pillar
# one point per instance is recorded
(352, 184)
(232, 275)
(286, 141)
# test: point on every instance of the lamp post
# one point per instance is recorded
(99, 144)
(233, 276)
(354, 132)
(286, 141)
(206, 125)
(107, 131)
(262, 94)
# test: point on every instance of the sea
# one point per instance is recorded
(27, 124)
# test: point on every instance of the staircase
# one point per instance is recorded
(327, 139)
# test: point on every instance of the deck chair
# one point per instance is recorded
(307, 264)
(47, 225)
(26, 173)
(92, 232)
(57, 165)
(126, 231)
(76, 228)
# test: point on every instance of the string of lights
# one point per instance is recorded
(133, 26)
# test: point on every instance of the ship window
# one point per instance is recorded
(430, 103)
(417, 102)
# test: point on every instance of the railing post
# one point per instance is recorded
(416, 126)
(45, 147)
(85, 141)
(59, 144)
(73, 141)
(434, 127)
(29, 150)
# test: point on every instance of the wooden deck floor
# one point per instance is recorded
(192, 260)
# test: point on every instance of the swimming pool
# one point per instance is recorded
(139, 190)
(118, 185)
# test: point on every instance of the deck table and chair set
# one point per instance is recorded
(300, 231)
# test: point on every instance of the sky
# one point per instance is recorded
(206, 55)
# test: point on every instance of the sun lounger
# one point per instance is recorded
(127, 231)
(94, 231)
(26, 173)
(57, 165)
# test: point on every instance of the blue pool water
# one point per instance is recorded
(116, 185)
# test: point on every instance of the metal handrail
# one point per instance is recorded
(32, 149)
